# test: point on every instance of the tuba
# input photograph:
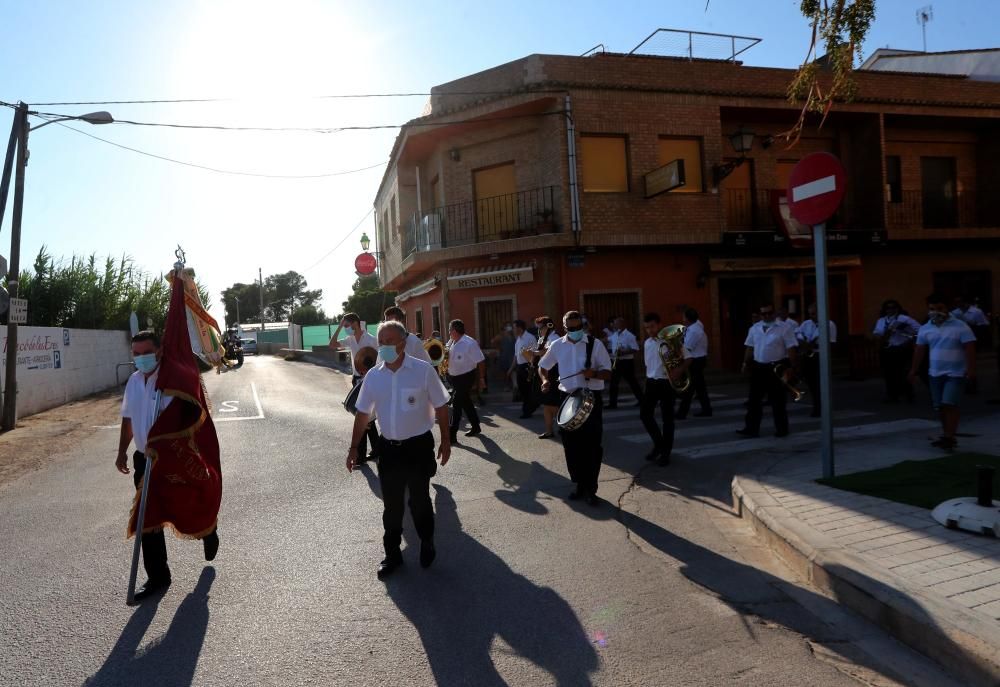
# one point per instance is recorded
(671, 341)
(365, 359)
(438, 354)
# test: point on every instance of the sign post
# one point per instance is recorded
(815, 190)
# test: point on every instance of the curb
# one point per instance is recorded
(967, 644)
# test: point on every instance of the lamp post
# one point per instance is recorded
(19, 141)
(742, 142)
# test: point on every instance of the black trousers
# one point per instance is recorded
(763, 382)
(584, 451)
(697, 388)
(462, 401)
(154, 546)
(624, 369)
(810, 373)
(896, 361)
(659, 392)
(407, 465)
(371, 434)
(526, 390)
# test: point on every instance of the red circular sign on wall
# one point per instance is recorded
(365, 264)
(815, 188)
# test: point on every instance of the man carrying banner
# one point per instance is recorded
(177, 450)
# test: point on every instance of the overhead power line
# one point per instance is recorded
(221, 171)
(339, 243)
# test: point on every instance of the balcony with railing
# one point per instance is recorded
(511, 216)
(920, 210)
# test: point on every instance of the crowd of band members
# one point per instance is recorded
(549, 367)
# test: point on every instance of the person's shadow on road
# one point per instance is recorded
(170, 662)
(471, 597)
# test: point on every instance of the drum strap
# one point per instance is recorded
(590, 352)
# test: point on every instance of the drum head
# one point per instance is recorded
(569, 408)
(351, 401)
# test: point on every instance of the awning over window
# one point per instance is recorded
(501, 275)
(418, 290)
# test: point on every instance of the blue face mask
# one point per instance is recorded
(388, 353)
(146, 363)
(576, 336)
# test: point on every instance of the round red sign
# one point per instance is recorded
(365, 263)
(816, 187)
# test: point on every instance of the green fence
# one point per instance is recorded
(319, 335)
(278, 336)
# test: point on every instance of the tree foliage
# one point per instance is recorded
(283, 295)
(368, 299)
(307, 315)
(86, 293)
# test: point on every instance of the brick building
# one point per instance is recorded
(476, 216)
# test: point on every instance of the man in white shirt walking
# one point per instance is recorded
(696, 345)
(414, 346)
(466, 367)
(524, 344)
(583, 362)
(769, 343)
(624, 346)
(407, 396)
(896, 332)
(356, 339)
(659, 391)
(807, 335)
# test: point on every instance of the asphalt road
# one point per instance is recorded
(528, 588)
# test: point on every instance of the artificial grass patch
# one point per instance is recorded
(923, 483)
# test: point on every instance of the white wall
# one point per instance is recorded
(56, 366)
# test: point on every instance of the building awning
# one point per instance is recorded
(791, 262)
(501, 275)
(418, 290)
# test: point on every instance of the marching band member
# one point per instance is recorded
(624, 346)
(951, 347)
(583, 362)
(550, 399)
(406, 395)
(523, 359)
(807, 335)
(696, 344)
(659, 391)
(896, 332)
(465, 362)
(357, 338)
(768, 343)
(414, 346)
(784, 318)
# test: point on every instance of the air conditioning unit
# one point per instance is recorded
(429, 234)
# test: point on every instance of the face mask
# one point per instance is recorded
(575, 336)
(146, 363)
(937, 317)
(388, 353)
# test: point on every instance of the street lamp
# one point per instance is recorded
(742, 142)
(365, 242)
(19, 143)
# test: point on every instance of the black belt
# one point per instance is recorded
(404, 442)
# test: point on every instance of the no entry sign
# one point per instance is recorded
(365, 263)
(816, 187)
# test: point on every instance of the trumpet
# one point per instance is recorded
(438, 354)
(786, 374)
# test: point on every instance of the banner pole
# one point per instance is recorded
(141, 516)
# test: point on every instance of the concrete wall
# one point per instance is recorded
(56, 366)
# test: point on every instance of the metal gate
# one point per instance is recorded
(493, 315)
(600, 306)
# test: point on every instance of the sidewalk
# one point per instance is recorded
(935, 589)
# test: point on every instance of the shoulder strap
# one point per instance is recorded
(590, 351)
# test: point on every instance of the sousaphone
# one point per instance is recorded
(364, 360)
(438, 354)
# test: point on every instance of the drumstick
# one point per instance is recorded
(579, 373)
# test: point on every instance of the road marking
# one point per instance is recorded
(229, 406)
(258, 416)
(814, 188)
(106, 426)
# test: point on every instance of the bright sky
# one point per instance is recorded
(85, 196)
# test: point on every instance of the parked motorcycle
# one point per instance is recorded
(234, 353)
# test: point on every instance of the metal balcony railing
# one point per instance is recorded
(919, 210)
(510, 216)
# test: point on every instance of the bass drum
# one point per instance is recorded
(575, 410)
(350, 403)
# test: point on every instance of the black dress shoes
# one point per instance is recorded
(211, 544)
(474, 431)
(427, 554)
(387, 567)
(592, 500)
(653, 455)
(575, 495)
(747, 433)
(781, 434)
(454, 437)
(663, 461)
(703, 413)
(150, 589)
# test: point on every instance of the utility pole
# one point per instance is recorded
(10, 383)
(260, 274)
(8, 168)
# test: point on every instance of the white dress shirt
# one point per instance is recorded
(355, 345)
(415, 348)
(903, 327)
(695, 341)
(526, 340)
(571, 358)
(808, 331)
(788, 322)
(654, 363)
(463, 356)
(138, 406)
(974, 317)
(771, 344)
(404, 400)
(624, 340)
